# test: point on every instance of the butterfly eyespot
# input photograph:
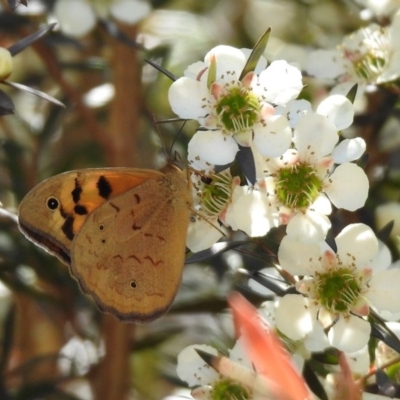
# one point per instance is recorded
(101, 227)
(133, 285)
(103, 240)
(52, 203)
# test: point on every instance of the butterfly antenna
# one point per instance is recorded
(169, 152)
(176, 137)
(155, 122)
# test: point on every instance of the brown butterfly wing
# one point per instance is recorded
(130, 252)
(54, 211)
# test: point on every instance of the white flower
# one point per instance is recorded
(304, 181)
(339, 287)
(370, 55)
(78, 17)
(233, 109)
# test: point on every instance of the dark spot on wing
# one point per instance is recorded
(137, 198)
(76, 193)
(114, 206)
(80, 210)
(68, 227)
(136, 227)
(63, 213)
(104, 187)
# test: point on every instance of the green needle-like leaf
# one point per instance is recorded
(255, 55)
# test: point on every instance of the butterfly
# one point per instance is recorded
(121, 231)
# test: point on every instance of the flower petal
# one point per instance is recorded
(252, 214)
(294, 110)
(213, 147)
(239, 355)
(348, 187)
(315, 136)
(322, 205)
(186, 97)
(273, 137)
(308, 227)
(279, 83)
(348, 150)
(293, 316)
(192, 369)
(201, 234)
(359, 241)
(382, 259)
(316, 340)
(228, 59)
(359, 361)
(350, 333)
(299, 258)
(325, 64)
(384, 293)
(338, 109)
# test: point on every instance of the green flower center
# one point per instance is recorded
(369, 67)
(229, 390)
(298, 186)
(238, 110)
(337, 289)
(216, 192)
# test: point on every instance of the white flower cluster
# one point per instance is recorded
(300, 166)
(293, 166)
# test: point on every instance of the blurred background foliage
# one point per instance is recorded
(54, 344)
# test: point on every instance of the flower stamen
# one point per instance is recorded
(216, 193)
(238, 109)
(298, 186)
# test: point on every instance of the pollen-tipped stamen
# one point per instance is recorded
(238, 109)
(298, 186)
(338, 289)
(217, 193)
